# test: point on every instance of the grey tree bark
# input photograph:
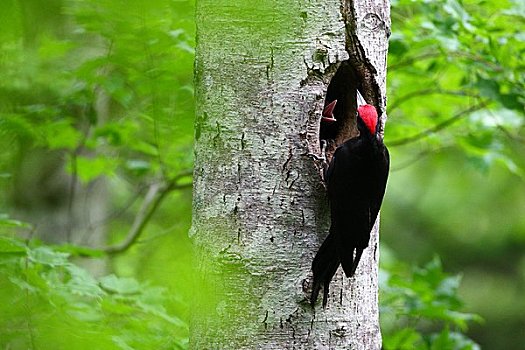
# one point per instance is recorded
(260, 210)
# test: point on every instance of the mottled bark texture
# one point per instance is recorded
(260, 210)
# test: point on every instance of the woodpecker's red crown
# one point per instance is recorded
(369, 115)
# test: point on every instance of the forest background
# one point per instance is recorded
(96, 132)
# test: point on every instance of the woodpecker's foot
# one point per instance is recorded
(324, 162)
(322, 157)
(316, 157)
(321, 160)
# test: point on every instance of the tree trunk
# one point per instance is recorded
(260, 210)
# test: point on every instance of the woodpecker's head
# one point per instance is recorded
(328, 112)
(367, 113)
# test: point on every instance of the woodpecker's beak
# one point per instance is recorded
(360, 100)
(328, 112)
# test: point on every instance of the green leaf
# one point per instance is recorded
(113, 133)
(501, 117)
(23, 284)
(16, 125)
(62, 134)
(404, 339)
(488, 88)
(52, 49)
(512, 101)
(447, 340)
(75, 250)
(123, 285)
(138, 166)
(82, 283)
(47, 256)
(88, 169)
(117, 307)
(397, 45)
(145, 148)
(121, 343)
(4, 221)
(85, 312)
(11, 245)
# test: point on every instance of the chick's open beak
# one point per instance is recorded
(328, 112)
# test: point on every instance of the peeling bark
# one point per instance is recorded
(260, 210)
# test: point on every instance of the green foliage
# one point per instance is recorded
(55, 304)
(456, 102)
(95, 90)
(420, 308)
(456, 65)
(106, 86)
(119, 83)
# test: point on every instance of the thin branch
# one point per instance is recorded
(72, 193)
(409, 61)
(510, 135)
(438, 127)
(154, 197)
(119, 211)
(476, 58)
(430, 91)
(421, 155)
(74, 182)
(174, 183)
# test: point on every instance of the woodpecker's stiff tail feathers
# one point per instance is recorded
(324, 266)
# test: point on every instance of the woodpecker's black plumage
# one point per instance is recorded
(356, 182)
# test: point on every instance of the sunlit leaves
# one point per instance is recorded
(90, 168)
(46, 256)
(64, 294)
(6, 221)
(120, 61)
(452, 340)
(114, 284)
(462, 46)
(110, 95)
(14, 127)
(497, 118)
(61, 134)
(10, 246)
(415, 304)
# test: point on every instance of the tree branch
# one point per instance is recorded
(510, 135)
(444, 124)
(410, 61)
(154, 197)
(418, 157)
(430, 91)
(428, 55)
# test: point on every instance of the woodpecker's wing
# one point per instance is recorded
(382, 169)
(349, 187)
(344, 152)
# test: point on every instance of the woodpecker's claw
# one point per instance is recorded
(316, 157)
(323, 148)
(324, 163)
(322, 158)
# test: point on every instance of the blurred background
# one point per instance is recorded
(96, 132)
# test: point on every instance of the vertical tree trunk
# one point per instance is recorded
(260, 210)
